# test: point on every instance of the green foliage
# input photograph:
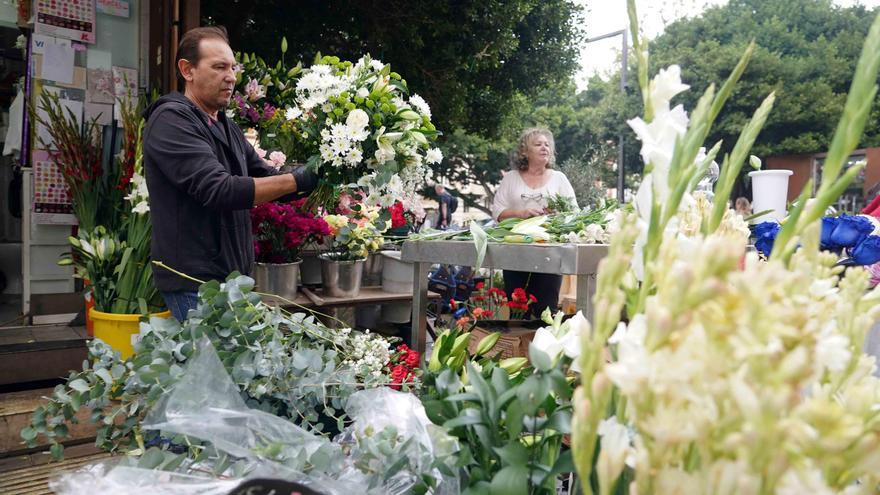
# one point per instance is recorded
(286, 364)
(509, 418)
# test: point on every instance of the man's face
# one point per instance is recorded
(212, 80)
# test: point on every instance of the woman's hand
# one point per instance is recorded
(530, 212)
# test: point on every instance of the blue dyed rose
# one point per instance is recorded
(867, 252)
(765, 235)
(850, 230)
(828, 226)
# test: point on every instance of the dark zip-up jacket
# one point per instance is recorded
(201, 188)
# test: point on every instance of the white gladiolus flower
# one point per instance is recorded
(141, 208)
(665, 85)
(658, 144)
(434, 155)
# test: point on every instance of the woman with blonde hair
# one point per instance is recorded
(523, 193)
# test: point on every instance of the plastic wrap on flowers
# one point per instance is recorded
(423, 448)
(108, 478)
(389, 449)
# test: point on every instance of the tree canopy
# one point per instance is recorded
(468, 58)
(806, 53)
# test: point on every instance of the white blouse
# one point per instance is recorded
(516, 194)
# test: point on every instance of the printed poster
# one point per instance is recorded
(69, 19)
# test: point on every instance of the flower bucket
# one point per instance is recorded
(280, 279)
(118, 330)
(310, 269)
(368, 316)
(769, 192)
(341, 278)
(397, 276)
(372, 270)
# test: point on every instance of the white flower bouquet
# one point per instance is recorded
(368, 130)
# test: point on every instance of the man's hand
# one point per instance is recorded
(306, 180)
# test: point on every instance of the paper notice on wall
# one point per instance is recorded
(103, 114)
(98, 59)
(125, 82)
(100, 86)
(39, 42)
(119, 8)
(57, 63)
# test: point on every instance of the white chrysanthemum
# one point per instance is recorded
(292, 113)
(354, 156)
(420, 105)
(434, 155)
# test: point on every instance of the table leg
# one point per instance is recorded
(586, 288)
(419, 330)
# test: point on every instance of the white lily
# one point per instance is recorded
(532, 227)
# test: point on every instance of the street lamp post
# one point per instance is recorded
(623, 87)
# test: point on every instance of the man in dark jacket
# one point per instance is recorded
(203, 176)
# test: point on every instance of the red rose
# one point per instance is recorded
(480, 285)
(412, 359)
(532, 298)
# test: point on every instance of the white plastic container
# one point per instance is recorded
(769, 192)
(397, 277)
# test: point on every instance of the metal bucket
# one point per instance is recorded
(280, 279)
(373, 270)
(341, 278)
(310, 271)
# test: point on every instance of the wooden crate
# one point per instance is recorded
(514, 341)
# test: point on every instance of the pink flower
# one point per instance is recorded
(277, 158)
(254, 90)
(345, 201)
(260, 152)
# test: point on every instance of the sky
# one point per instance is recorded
(605, 16)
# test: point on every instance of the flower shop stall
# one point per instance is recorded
(580, 260)
(693, 367)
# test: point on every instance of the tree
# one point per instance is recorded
(806, 53)
(468, 58)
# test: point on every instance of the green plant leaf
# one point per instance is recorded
(481, 243)
(57, 451)
(79, 385)
(513, 454)
(511, 480)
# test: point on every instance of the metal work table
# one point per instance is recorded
(581, 260)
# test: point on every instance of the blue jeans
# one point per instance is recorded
(180, 302)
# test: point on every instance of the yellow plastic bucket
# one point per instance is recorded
(117, 329)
